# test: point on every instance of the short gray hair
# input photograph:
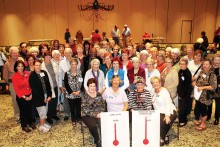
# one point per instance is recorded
(94, 61)
(13, 48)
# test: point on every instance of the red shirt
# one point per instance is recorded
(73, 47)
(131, 75)
(161, 67)
(21, 84)
(96, 38)
(129, 65)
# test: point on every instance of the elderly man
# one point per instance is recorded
(126, 34)
(115, 33)
(8, 72)
(64, 66)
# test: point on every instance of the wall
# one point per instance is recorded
(24, 20)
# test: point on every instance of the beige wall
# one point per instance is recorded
(23, 20)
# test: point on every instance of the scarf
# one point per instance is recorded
(96, 79)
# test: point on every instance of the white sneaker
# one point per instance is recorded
(43, 129)
(47, 126)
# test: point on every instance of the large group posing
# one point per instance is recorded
(99, 76)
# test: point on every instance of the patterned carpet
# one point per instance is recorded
(63, 134)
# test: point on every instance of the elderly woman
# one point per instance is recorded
(126, 63)
(136, 70)
(150, 72)
(175, 54)
(143, 57)
(117, 71)
(92, 106)
(56, 57)
(108, 63)
(20, 81)
(163, 102)
(168, 52)
(184, 90)
(52, 71)
(160, 62)
(96, 73)
(216, 65)
(140, 98)
(41, 93)
(73, 81)
(205, 81)
(169, 78)
(115, 96)
(34, 51)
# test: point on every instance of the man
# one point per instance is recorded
(64, 66)
(96, 38)
(115, 33)
(205, 39)
(104, 38)
(67, 35)
(126, 34)
(8, 72)
(23, 50)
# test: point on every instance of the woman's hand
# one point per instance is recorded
(167, 119)
(62, 89)
(200, 88)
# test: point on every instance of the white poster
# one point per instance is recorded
(146, 128)
(115, 129)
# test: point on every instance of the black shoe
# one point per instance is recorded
(26, 129)
(167, 141)
(49, 120)
(18, 121)
(216, 122)
(33, 126)
(161, 143)
(66, 118)
(56, 118)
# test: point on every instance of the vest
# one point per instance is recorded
(120, 74)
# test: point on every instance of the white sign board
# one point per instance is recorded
(115, 129)
(145, 128)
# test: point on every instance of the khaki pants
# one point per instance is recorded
(126, 40)
(14, 102)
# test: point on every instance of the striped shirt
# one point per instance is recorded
(140, 100)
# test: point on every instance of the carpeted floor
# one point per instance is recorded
(63, 134)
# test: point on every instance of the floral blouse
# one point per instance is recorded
(202, 80)
(92, 106)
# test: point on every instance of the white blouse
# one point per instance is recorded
(163, 102)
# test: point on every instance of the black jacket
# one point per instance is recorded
(37, 88)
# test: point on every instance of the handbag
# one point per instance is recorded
(212, 94)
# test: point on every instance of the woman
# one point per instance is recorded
(216, 65)
(73, 81)
(86, 46)
(154, 52)
(43, 48)
(34, 51)
(41, 93)
(143, 57)
(52, 71)
(136, 70)
(23, 95)
(160, 62)
(56, 45)
(205, 81)
(169, 78)
(126, 63)
(56, 57)
(175, 54)
(150, 72)
(96, 73)
(108, 63)
(140, 98)
(115, 52)
(184, 90)
(163, 102)
(92, 106)
(117, 71)
(115, 96)
(30, 60)
(61, 50)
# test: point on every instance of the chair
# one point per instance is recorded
(176, 121)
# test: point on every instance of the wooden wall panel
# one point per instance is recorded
(174, 21)
(3, 25)
(137, 20)
(37, 19)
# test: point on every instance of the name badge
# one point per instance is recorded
(42, 74)
(80, 79)
(204, 75)
(183, 78)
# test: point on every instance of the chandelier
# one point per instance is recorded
(99, 10)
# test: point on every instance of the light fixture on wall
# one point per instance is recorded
(99, 10)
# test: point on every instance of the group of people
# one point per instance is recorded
(99, 77)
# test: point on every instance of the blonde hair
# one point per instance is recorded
(152, 80)
(144, 52)
(184, 59)
(150, 60)
(33, 49)
(114, 77)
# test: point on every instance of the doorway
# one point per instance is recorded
(186, 31)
